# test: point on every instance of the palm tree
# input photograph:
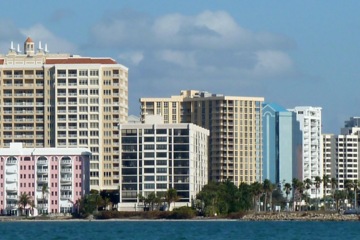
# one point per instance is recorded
(355, 186)
(333, 183)
(295, 183)
(325, 181)
(287, 189)
(300, 188)
(256, 190)
(348, 184)
(24, 200)
(307, 183)
(318, 181)
(44, 190)
(171, 196)
(339, 195)
(267, 188)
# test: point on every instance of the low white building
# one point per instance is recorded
(156, 157)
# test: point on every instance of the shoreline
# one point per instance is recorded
(248, 217)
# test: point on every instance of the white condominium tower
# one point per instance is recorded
(157, 156)
(64, 101)
(311, 165)
(235, 124)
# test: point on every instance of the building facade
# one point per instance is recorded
(64, 101)
(235, 124)
(281, 144)
(311, 165)
(156, 157)
(54, 178)
(329, 143)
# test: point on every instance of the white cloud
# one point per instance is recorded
(55, 44)
(135, 57)
(209, 40)
(183, 59)
(270, 63)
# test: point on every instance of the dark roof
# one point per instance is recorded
(80, 61)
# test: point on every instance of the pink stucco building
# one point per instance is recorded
(54, 178)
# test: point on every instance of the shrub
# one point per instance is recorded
(236, 215)
(182, 213)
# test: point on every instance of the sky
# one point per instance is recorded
(293, 53)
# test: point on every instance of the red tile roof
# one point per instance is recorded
(80, 61)
(2, 61)
(28, 40)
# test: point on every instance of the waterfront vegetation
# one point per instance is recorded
(226, 200)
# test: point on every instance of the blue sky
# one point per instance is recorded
(294, 53)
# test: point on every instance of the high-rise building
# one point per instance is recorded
(311, 165)
(235, 124)
(156, 157)
(64, 101)
(281, 144)
(53, 178)
(329, 154)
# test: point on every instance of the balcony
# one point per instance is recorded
(65, 188)
(42, 171)
(11, 189)
(66, 179)
(42, 162)
(66, 162)
(12, 197)
(66, 170)
(63, 197)
(42, 179)
(11, 180)
(11, 171)
(11, 162)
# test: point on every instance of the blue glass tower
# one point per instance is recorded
(281, 143)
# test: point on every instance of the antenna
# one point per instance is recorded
(18, 49)
(12, 46)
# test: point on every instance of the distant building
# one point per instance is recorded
(235, 124)
(156, 157)
(65, 172)
(329, 153)
(311, 165)
(64, 101)
(282, 144)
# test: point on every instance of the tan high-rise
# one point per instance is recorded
(61, 100)
(235, 143)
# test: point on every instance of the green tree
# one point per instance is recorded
(24, 200)
(44, 192)
(339, 195)
(348, 185)
(287, 189)
(171, 196)
(325, 181)
(334, 184)
(300, 188)
(318, 181)
(267, 189)
(245, 196)
(209, 196)
(295, 183)
(307, 184)
(257, 190)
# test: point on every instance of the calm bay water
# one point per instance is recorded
(178, 230)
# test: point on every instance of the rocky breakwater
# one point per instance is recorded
(299, 216)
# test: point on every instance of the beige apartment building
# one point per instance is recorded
(235, 124)
(64, 101)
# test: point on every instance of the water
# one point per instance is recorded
(178, 230)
